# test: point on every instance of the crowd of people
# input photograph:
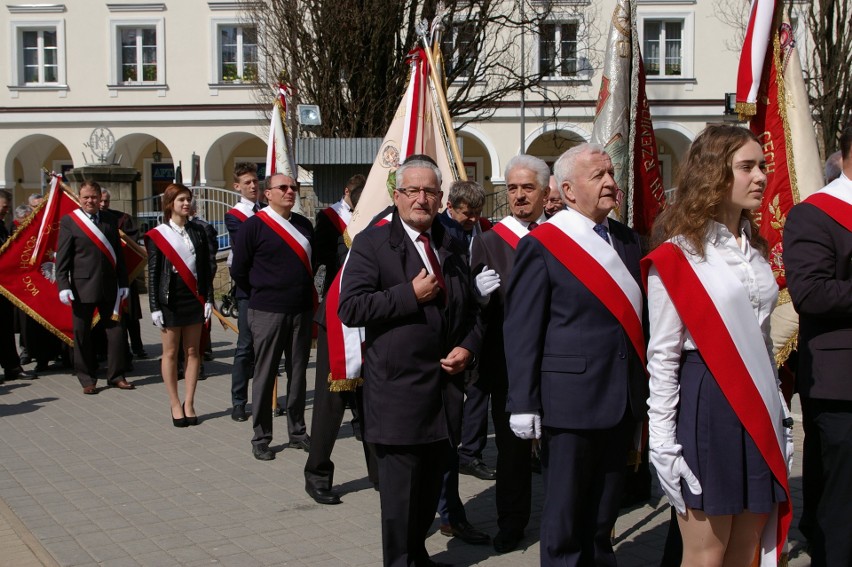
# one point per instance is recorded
(572, 328)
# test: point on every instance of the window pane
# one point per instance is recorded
(149, 36)
(128, 73)
(673, 49)
(653, 29)
(149, 73)
(30, 39)
(568, 41)
(50, 56)
(249, 36)
(128, 55)
(30, 56)
(30, 74)
(547, 50)
(51, 74)
(49, 38)
(229, 72)
(149, 55)
(128, 37)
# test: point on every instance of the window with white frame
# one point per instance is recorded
(558, 49)
(237, 53)
(39, 54)
(138, 55)
(663, 47)
(459, 48)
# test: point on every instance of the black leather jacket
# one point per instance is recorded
(160, 269)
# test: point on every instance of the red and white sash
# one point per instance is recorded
(293, 238)
(510, 230)
(568, 236)
(242, 210)
(95, 234)
(717, 312)
(100, 240)
(181, 257)
(339, 215)
(835, 200)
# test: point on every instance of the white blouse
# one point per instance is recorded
(183, 234)
(669, 337)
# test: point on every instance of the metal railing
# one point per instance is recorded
(212, 203)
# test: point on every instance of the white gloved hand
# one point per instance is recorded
(526, 425)
(208, 311)
(671, 467)
(486, 282)
(66, 296)
(123, 292)
(157, 318)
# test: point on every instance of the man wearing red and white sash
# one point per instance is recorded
(575, 357)
(818, 261)
(245, 181)
(492, 259)
(331, 222)
(273, 262)
(90, 274)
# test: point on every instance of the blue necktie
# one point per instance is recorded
(602, 232)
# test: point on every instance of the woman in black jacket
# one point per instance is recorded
(180, 279)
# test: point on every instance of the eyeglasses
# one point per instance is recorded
(284, 188)
(414, 192)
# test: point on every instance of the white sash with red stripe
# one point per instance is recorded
(713, 306)
(510, 230)
(242, 210)
(568, 236)
(173, 247)
(835, 200)
(289, 234)
(91, 230)
(339, 214)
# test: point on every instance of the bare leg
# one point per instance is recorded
(168, 368)
(745, 538)
(191, 341)
(720, 541)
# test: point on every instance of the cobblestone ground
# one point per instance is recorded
(106, 480)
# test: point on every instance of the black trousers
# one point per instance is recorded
(9, 359)
(411, 478)
(325, 425)
(85, 361)
(830, 541)
(583, 474)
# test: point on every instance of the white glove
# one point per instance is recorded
(208, 311)
(486, 282)
(66, 296)
(526, 425)
(123, 292)
(789, 449)
(671, 467)
(157, 318)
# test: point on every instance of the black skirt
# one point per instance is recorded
(183, 307)
(733, 474)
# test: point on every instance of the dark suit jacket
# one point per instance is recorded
(408, 399)
(326, 237)
(83, 268)
(567, 356)
(160, 269)
(818, 264)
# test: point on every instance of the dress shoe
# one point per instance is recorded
(239, 413)
(140, 353)
(465, 532)
(279, 411)
(42, 366)
(208, 356)
(323, 495)
(123, 384)
(478, 469)
(180, 421)
(90, 390)
(505, 542)
(303, 444)
(14, 373)
(25, 357)
(190, 420)
(262, 453)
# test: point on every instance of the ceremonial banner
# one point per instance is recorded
(780, 118)
(279, 146)
(415, 129)
(623, 124)
(31, 286)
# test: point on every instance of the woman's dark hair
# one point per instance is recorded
(169, 195)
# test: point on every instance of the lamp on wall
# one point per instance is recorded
(309, 115)
(157, 155)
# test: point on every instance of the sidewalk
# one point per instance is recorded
(106, 480)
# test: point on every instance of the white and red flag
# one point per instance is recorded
(623, 124)
(771, 93)
(279, 146)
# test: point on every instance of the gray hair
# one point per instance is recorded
(23, 211)
(833, 166)
(565, 165)
(106, 193)
(468, 193)
(534, 164)
(418, 164)
(32, 198)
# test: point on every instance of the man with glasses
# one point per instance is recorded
(554, 202)
(408, 284)
(274, 262)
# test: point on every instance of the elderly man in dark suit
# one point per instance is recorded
(408, 283)
(818, 263)
(575, 357)
(90, 274)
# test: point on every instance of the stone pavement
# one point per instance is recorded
(106, 480)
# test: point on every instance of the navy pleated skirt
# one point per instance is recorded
(734, 476)
(183, 307)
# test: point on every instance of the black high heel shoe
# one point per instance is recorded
(189, 420)
(180, 421)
